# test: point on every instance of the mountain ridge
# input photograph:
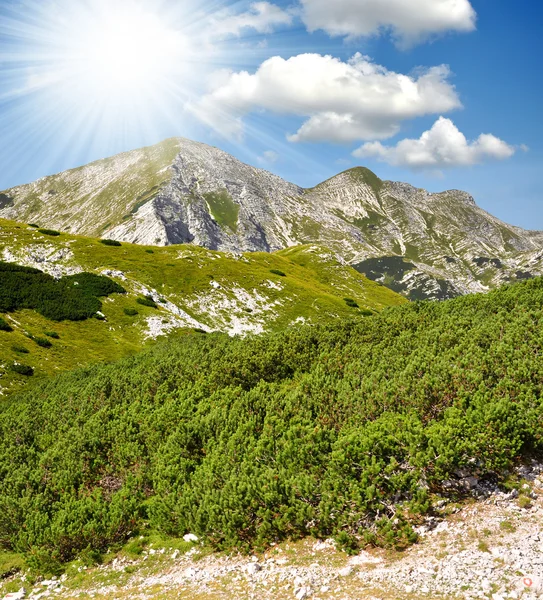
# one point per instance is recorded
(181, 191)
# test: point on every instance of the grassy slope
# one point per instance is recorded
(129, 180)
(184, 275)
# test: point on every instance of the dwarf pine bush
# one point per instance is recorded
(73, 298)
(4, 325)
(342, 430)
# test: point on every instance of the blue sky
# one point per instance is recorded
(254, 80)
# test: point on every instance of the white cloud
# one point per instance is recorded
(442, 146)
(269, 156)
(342, 101)
(409, 21)
(262, 17)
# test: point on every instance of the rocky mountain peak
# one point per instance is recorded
(182, 191)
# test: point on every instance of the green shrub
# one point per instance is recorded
(147, 301)
(199, 330)
(278, 272)
(110, 243)
(22, 369)
(50, 232)
(42, 342)
(4, 325)
(131, 312)
(34, 225)
(52, 334)
(350, 302)
(20, 349)
(94, 285)
(149, 251)
(344, 431)
(73, 298)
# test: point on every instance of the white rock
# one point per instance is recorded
(346, 571)
(190, 573)
(253, 568)
(20, 595)
(190, 537)
(302, 593)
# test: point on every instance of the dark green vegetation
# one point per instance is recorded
(42, 342)
(130, 312)
(390, 270)
(278, 272)
(22, 369)
(111, 243)
(72, 298)
(361, 174)
(51, 232)
(344, 430)
(4, 325)
(350, 302)
(147, 301)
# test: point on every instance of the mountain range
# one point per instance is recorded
(421, 244)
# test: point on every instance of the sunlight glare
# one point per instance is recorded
(125, 51)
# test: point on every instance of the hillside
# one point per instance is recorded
(192, 289)
(354, 430)
(428, 245)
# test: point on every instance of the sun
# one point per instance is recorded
(124, 50)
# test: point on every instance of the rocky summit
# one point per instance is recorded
(421, 244)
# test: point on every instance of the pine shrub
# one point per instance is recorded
(22, 369)
(42, 342)
(4, 325)
(110, 242)
(343, 431)
(51, 232)
(73, 298)
(147, 301)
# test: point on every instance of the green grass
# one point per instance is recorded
(363, 175)
(223, 209)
